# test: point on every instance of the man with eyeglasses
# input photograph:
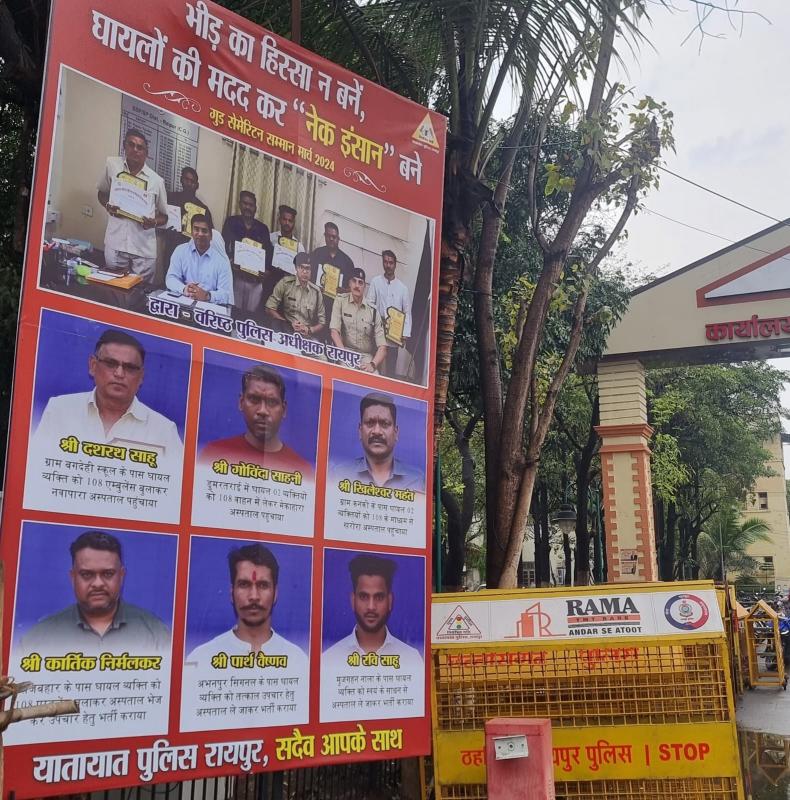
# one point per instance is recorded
(263, 406)
(112, 413)
(100, 620)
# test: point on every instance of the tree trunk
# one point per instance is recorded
(566, 550)
(453, 572)
(540, 520)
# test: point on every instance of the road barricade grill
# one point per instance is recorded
(649, 714)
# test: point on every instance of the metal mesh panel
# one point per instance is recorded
(661, 684)
(677, 789)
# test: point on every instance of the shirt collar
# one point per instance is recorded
(388, 639)
(395, 471)
(118, 619)
(193, 248)
(145, 171)
(136, 409)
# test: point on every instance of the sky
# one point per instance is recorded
(730, 94)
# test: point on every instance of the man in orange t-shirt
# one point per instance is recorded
(263, 406)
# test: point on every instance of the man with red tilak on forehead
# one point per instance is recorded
(254, 573)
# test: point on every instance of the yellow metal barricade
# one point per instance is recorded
(764, 644)
(641, 716)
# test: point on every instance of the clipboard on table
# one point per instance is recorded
(329, 280)
(394, 323)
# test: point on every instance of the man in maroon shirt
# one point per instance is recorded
(263, 406)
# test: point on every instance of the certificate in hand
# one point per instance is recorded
(132, 197)
(329, 279)
(249, 256)
(393, 325)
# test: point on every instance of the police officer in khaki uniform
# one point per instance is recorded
(356, 325)
(295, 303)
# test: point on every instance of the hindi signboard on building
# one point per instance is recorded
(216, 512)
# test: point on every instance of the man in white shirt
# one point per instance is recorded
(388, 292)
(371, 649)
(254, 574)
(111, 413)
(130, 244)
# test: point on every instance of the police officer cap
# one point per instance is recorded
(357, 272)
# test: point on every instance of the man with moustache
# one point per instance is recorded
(247, 288)
(263, 406)
(372, 602)
(254, 573)
(199, 271)
(295, 304)
(130, 244)
(387, 292)
(378, 435)
(111, 413)
(286, 245)
(356, 325)
(100, 620)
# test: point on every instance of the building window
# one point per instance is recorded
(762, 501)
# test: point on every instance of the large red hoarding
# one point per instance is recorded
(217, 514)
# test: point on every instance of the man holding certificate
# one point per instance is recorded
(136, 200)
(391, 299)
(249, 247)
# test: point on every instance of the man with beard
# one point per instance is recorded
(100, 621)
(189, 204)
(254, 573)
(378, 435)
(372, 602)
(263, 405)
(244, 227)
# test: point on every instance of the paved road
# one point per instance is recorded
(765, 710)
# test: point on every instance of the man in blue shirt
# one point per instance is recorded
(198, 270)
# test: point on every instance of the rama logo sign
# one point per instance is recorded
(533, 623)
(593, 616)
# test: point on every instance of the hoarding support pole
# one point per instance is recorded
(296, 21)
(437, 526)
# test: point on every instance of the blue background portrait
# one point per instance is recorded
(209, 608)
(407, 620)
(65, 343)
(344, 444)
(44, 586)
(220, 417)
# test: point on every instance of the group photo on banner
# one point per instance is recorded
(221, 428)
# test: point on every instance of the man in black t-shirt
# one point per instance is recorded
(190, 204)
(332, 269)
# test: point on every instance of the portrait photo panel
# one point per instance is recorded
(257, 439)
(376, 478)
(100, 633)
(107, 422)
(248, 634)
(372, 636)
